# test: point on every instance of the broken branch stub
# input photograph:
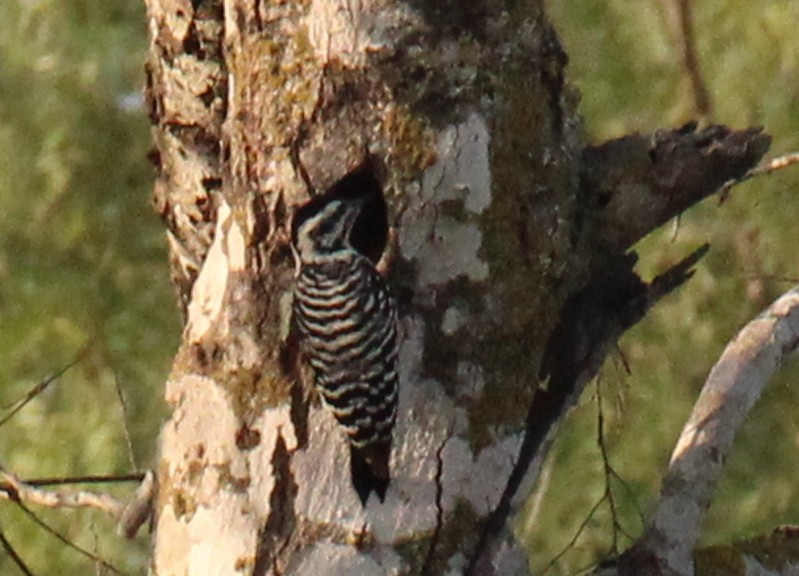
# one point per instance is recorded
(637, 183)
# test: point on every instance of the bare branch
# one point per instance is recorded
(18, 491)
(732, 389)
(140, 509)
(774, 164)
(580, 529)
(36, 390)
(130, 516)
(610, 473)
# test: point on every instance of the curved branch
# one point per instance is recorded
(731, 391)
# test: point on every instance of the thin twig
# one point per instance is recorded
(125, 425)
(36, 390)
(623, 359)
(577, 534)
(66, 541)
(774, 164)
(606, 468)
(771, 277)
(96, 543)
(14, 555)
(609, 472)
(92, 479)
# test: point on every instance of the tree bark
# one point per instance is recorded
(510, 236)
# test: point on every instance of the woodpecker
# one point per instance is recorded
(347, 321)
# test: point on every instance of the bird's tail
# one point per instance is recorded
(369, 469)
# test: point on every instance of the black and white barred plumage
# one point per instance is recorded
(347, 324)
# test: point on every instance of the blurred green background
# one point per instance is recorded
(83, 269)
(82, 266)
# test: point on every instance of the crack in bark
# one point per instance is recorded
(296, 160)
(427, 566)
(260, 22)
(300, 404)
(552, 76)
(276, 535)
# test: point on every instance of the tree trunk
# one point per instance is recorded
(509, 262)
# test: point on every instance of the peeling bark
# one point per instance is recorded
(186, 100)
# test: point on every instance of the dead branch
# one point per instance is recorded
(140, 509)
(733, 387)
(637, 183)
(130, 516)
(14, 489)
(123, 405)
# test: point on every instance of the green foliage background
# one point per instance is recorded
(83, 268)
(82, 265)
